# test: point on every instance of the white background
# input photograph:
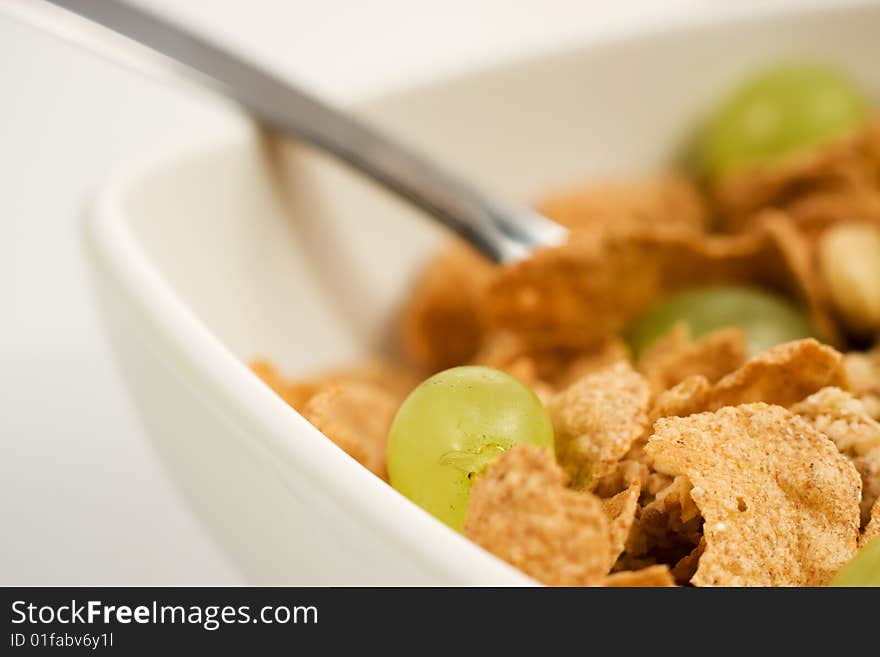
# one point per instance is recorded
(83, 497)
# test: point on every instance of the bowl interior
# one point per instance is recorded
(311, 277)
(305, 262)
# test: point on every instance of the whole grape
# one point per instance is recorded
(778, 112)
(767, 319)
(451, 427)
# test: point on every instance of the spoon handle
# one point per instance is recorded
(502, 231)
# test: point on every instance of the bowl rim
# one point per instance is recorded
(233, 387)
(325, 470)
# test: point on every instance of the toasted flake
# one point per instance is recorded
(521, 511)
(845, 420)
(587, 291)
(621, 513)
(686, 567)
(688, 397)
(780, 504)
(506, 352)
(588, 362)
(837, 177)
(440, 324)
(525, 368)
(868, 466)
(500, 349)
(396, 380)
(597, 419)
(872, 529)
(794, 259)
(820, 208)
(842, 418)
(863, 376)
(626, 473)
(622, 205)
(652, 576)
(551, 367)
(295, 393)
(675, 357)
(356, 416)
(783, 375)
(669, 526)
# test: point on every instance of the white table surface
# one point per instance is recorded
(83, 496)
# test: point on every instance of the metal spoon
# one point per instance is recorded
(501, 230)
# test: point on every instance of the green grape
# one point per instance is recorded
(778, 112)
(863, 569)
(449, 429)
(767, 319)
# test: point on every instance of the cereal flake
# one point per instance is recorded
(521, 511)
(357, 417)
(652, 576)
(780, 504)
(844, 419)
(675, 356)
(621, 513)
(597, 419)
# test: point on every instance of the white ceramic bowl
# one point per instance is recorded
(201, 266)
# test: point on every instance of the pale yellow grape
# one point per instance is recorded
(780, 111)
(767, 319)
(451, 427)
